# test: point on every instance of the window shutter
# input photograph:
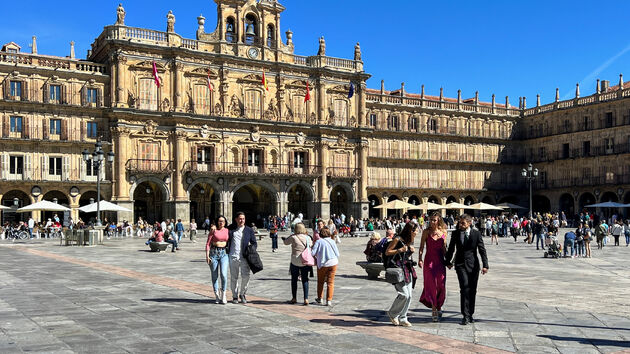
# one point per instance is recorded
(46, 91)
(24, 94)
(263, 158)
(6, 126)
(4, 168)
(84, 96)
(193, 157)
(25, 127)
(291, 161)
(307, 162)
(64, 129)
(45, 123)
(28, 174)
(99, 99)
(7, 87)
(44, 166)
(83, 130)
(66, 168)
(62, 94)
(244, 157)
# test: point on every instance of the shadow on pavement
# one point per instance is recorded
(589, 341)
(189, 301)
(559, 325)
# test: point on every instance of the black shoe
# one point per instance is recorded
(243, 299)
(235, 300)
(471, 320)
(464, 321)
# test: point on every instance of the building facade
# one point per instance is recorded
(235, 120)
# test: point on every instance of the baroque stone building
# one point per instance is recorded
(240, 122)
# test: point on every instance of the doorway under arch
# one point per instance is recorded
(586, 199)
(203, 202)
(88, 198)
(256, 201)
(340, 201)
(374, 202)
(148, 202)
(415, 200)
(395, 212)
(567, 204)
(541, 204)
(15, 199)
(300, 201)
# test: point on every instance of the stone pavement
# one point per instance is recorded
(121, 298)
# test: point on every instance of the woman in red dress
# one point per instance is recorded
(434, 270)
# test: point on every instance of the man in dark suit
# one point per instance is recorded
(467, 241)
(240, 237)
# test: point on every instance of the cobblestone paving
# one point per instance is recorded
(121, 298)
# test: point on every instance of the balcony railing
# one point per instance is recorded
(343, 172)
(52, 62)
(67, 135)
(239, 168)
(149, 166)
(433, 156)
(611, 179)
(38, 174)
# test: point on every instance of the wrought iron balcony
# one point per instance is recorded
(343, 172)
(149, 166)
(239, 168)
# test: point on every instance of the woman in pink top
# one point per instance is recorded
(217, 257)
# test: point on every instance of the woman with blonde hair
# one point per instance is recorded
(299, 241)
(434, 269)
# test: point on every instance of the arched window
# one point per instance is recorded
(251, 30)
(230, 30)
(271, 36)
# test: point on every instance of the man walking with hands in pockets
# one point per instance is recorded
(467, 241)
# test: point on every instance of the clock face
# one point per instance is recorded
(253, 53)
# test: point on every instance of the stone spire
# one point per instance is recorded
(577, 90)
(507, 101)
(524, 102)
(557, 94)
(597, 87)
(459, 96)
(621, 81)
(493, 100)
(72, 50)
(289, 38)
(201, 28)
(34, 45)
(441, 93)
(422, 92)
(382, 87)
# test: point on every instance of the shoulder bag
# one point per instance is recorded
(395, 275)
(306, 255)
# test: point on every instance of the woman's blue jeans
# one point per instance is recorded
(299, 272)
(220, 263)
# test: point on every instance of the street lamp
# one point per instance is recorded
(530, 175)
(96, 158)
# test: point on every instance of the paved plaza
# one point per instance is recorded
(119, 298)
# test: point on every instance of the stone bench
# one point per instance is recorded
(158, 246)
(372, 269)
(361, 233)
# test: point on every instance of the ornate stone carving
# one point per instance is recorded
(218, 109)
(166, 105)
(255, 134)
(150, 127)
(204, 131)
(120, 12)
(235, 107)
(342, 140)
(121, 131)
(272, 111)
(170, 22)
(357, 52)
(300, 138)
(322, 46)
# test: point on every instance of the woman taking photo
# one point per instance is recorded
(400, 251)
(299, 241)
(434, 270)
(217, 258)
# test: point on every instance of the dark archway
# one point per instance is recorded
(374, 202)
(15, 199)
(469, 200)
(203, 203)
(300, 200)
(567, 204)
(434, 199)
(88, 198)
(60, 198)
(148, 202)
(541, 204)
(586, 199)
(609, 197)
(256, 201)
(415, 200)
(509, 199)
(339, 201)
(487, 200)
(451, 199)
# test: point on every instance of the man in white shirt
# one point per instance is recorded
(240, 238)
(31, 226)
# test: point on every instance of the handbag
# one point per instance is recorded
(395, 274)
(306, 255)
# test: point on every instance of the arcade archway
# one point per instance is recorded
(541, 204)
(393, 211)
(586, 199)
(256, 201)
(339, 201)
(203, 202)
(374, 202)
(15, 199)
(60, 198)
(301, 201)
(148, 202)
(567, 204)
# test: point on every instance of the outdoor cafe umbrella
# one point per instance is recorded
(455, 205)
(482, 206)
(427, 206)
(2, 207)
(607, 205)
(509, 206)
(44, 205)
(395, 204)
(105, 206)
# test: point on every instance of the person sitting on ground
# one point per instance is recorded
(371, 251)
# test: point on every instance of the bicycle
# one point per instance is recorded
(13, 233)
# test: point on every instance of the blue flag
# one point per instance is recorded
(351, 92)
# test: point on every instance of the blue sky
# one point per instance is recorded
(502, 47)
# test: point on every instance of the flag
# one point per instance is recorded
(264, 81)
(351, 92)
(208, 81)
(155, 75)
(308, 93)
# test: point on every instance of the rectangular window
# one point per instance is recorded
(92, 95)
(609, 144)
(16, 165)
(373, 120)
(567, 126)
(205, 155)
(16, 88)
(253, 157)
(89, 169)
(55, 127)
(55, 93)
(202, 99)
(252, 104)
(54, 166)
(299, 159)
(610, 121)
(432, 125)
(565, 151)
(92, 130)
(541, 152)
(413, 124)
(341, 113)
(585, 123)
(16, 124)
(299, 109)
(147, 98)
(394, 123)
(586, 148)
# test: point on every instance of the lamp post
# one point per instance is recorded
(530, 174)
(96, 158)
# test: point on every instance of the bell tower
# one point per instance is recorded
(247, 28)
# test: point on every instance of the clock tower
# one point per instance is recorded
(247, 28)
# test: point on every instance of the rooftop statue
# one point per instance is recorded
(120, 19)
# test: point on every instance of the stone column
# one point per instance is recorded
(322, 186)
(283, 202)
(362, 106)
(181, 204)
(443, 202)
(121, 84)
(225, 201)
(321, 101)
(178, 92)
(383, 211)
(120, 190)
(363, 181)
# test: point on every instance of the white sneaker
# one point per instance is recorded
(329, 303)
(224, 299)
(217, 297)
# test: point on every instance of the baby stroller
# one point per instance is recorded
(554, 249)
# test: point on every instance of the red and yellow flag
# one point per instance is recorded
(264, 81)
(307, 97)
